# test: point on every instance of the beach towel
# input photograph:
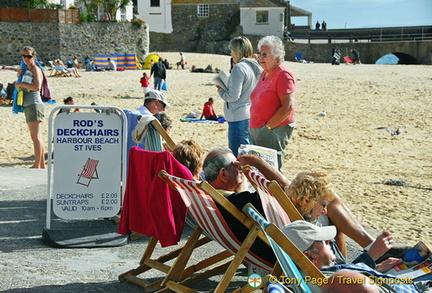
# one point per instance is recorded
(187, 119)
(45, 92)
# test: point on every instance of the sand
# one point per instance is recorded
(346, 142)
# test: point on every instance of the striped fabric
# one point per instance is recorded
(152, 139)
(273, 210)
(205, 212)
(89, 169)
(285, 261)
(123, 60)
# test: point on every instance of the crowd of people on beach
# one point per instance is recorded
(259, 107)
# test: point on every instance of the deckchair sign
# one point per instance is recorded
(87, 160)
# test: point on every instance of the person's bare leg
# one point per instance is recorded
(38, 146)
(341, 243)
(345, 221)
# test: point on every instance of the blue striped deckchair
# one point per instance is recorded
(287, 254)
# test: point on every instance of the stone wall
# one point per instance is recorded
(201, 35)
(65, 40)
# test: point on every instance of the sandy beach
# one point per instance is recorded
(345, 142)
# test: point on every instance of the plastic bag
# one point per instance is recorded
(164, 86)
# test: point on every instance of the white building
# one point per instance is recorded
(156, 13)
(122, 15)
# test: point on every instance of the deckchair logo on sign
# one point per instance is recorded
(255, 281)
(88, 173)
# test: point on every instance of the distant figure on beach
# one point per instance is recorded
(336, 55)
(287, 35)
(76, 62)
(166, 63)
(158, 71)
(182, 61)
(324, 26)
(355, 56)
(208, 111)
(68, 101)
(145, 82)
(317, 26)
(111, 65)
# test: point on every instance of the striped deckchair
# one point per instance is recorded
(287, 254)
(272, 196)
(89, 172)
(201, 199)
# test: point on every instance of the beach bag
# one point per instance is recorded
(45, 91)
(164, 86)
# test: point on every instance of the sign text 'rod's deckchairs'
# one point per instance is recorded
(287, 253)
(201, 198)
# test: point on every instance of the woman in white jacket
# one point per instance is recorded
(244, 76)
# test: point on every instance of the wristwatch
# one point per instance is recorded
(268, 127)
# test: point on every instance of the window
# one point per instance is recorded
(154, 3)
(135, 6)
(262, 17)
(203, 10)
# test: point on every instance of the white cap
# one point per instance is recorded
(303, 234)
(157, 95)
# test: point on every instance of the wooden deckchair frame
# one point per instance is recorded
(287, 248)
(240, 254)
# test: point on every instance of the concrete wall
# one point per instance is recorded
(415, 52)
(65, 40)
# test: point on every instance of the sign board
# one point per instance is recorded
(87, 167)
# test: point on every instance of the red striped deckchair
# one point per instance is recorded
(201, 198)
(89, 172)
(278, 208)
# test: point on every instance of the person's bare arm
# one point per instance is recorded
(288, 103)
(265, 168)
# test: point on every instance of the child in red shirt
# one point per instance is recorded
(145, 82)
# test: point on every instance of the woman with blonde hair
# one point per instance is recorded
(314, 196)
(191, 155)
(244, 76)
(30, 85)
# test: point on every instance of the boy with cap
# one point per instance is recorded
(313, 241)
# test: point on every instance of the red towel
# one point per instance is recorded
(150, 206)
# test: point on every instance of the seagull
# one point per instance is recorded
(393, 133)
(323, 113)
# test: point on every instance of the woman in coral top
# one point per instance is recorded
(273, 99)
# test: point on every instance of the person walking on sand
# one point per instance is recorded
(158, 70)
(30, 85)
(145, 82)
(182, 61)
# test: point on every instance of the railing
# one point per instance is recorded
(369, 35)
(39, 15)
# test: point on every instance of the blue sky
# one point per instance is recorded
(365, 13)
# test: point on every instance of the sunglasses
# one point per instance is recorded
(264, 55)
(27, 56)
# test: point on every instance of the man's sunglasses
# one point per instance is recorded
(27, 56)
